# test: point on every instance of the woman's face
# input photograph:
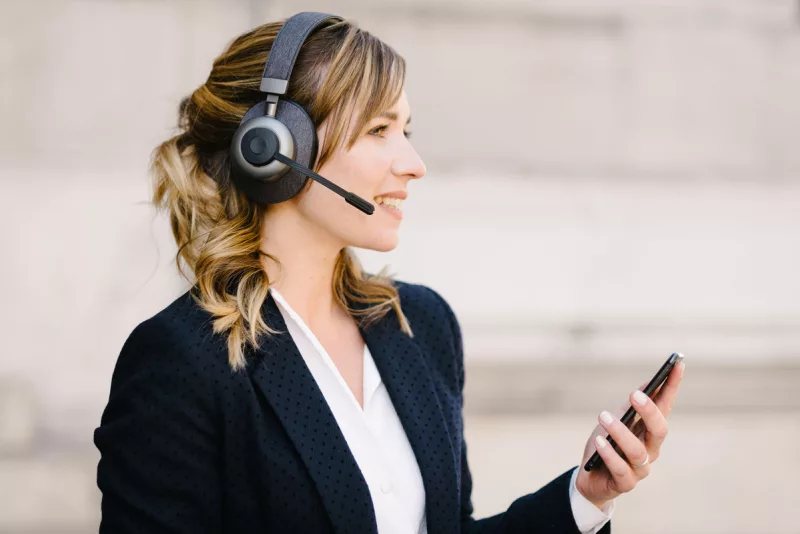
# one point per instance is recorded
(382, 160)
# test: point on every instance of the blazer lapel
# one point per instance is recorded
(283, 377)
(402, 366)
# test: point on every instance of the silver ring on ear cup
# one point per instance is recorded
(272, 170)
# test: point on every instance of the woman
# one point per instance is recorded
(287, 390)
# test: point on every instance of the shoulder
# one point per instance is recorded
(163, 384)
(436, 328)
(422, 300)
(182, 316)
(179, 325)
(182, 322)
(177, 340)
(431, 317)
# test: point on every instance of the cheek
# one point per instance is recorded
(359, 170)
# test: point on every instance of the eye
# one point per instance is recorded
(378, 130)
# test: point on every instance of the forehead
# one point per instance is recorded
(401, 106)
(400, 110)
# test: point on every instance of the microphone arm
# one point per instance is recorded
(351, 198)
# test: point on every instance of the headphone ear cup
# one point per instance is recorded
(287, 184)
(295, 117)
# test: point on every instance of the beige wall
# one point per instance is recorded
(607, 182)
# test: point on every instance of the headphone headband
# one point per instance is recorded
(285, 49)
(276, 142)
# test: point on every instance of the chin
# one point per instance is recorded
(382, 244)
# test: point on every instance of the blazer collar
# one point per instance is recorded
(281, 374)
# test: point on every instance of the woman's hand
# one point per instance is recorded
(641, 443)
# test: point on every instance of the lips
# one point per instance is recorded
(401, 194)
(395, 212)
(393, 202)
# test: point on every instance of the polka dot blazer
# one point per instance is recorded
(188, 446)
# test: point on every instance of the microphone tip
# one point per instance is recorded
(360, 203)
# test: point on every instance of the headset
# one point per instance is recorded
(276, 140)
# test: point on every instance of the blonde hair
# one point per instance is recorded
(341, 72)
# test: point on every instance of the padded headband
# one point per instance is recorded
(286, 47)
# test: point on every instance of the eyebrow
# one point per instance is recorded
(392, 116)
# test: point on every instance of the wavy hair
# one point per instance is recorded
(341, 72)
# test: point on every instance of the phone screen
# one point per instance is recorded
(631, 416)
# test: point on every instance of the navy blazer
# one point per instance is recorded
(188, 446)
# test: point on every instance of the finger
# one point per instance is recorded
(624, 407)
(666, 395)
(623, 479)
(631, 446)
(619, 412)
(654, 422)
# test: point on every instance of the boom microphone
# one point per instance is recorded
(351, 198)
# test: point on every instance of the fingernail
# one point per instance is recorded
(683, 366)
(639, 397)
(606, 417)
(601, 443)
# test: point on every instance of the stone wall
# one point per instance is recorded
(608, 182)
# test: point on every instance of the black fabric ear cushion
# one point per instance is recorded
(294, 116)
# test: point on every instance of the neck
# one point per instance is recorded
(307, 258)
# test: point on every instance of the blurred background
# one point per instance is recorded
(608, 182)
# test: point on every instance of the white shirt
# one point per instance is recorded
(379, 444)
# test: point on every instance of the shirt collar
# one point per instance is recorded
(372, 377)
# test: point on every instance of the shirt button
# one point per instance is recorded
(386, 487)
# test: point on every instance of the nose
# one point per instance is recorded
(408, 164)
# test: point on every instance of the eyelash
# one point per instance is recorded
(382, 127)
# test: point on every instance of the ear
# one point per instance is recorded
(295, 118)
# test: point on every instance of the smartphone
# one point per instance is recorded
(630, 417)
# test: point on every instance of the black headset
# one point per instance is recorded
(276, 141)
